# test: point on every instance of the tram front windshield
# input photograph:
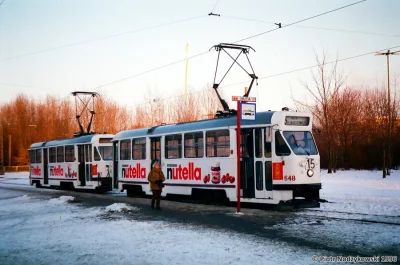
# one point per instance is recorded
(301, 143)
(106, 152)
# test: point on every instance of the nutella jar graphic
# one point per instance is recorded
(216, 173)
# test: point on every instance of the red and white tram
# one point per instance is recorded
(82, 162)
(279, 159)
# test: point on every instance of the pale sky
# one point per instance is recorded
(103, 43)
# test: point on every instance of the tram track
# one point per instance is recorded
(314, 213)
(362, 217)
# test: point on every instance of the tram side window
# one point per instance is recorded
(194, 145)
(267, 142)
(69, 153)
(60, 154)
(139, 149)
(38, 155)
(88, 153)
(125, 149)
(52, 155)
(218, 143)
(173, 146)
(281, 148)
(32, 157)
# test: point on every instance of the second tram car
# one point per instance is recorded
(279, 158)
(82, 162)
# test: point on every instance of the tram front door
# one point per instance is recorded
(256, 163)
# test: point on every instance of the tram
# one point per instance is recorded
(279, 158)
(82, 162)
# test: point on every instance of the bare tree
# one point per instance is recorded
(326, 84)
(376, 123)
(346, 111)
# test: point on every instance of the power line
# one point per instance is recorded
(216, 3)
(299, 21)
(278, 74)
(13, 84)
(199, 54)
(2, 2)
(151, 70)
(310, 67)
(100, 38)
(312, 27)
(172, 63)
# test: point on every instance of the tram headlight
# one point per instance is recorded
(310, 173)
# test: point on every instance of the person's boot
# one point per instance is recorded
(158, 208)
(152, 206)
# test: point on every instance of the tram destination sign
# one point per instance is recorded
(244, 99)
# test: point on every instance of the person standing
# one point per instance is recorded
(156, 178)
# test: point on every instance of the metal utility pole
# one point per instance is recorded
(389, 109)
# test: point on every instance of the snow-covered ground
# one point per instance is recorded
(35, 230)
(58, 231)
(361, 192)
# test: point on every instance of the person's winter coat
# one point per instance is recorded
(156, 179)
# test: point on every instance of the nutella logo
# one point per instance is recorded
(134, 172)
(186, 173)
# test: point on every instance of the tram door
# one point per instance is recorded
(81, 166)
(45, 167)
(256, 163)
(115, 164)
(155, 149)
(85, 163)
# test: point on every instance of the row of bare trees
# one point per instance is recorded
(25, 120)
(352, 123)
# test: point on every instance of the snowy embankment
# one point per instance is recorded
(362, 192)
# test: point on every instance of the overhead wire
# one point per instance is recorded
(182, 60)
(312, 27)
(310, 67)
(101, 38)
(278, 74)
(299, 21)
(150, 70)
(216, 3)
(253, 36)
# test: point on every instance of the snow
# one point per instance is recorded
(123, 240)
(16, 178)
(34, 229)
(120, 207)
(62, 199)
(361, 192)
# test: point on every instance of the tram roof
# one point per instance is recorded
(75, 140)
(261, 118)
